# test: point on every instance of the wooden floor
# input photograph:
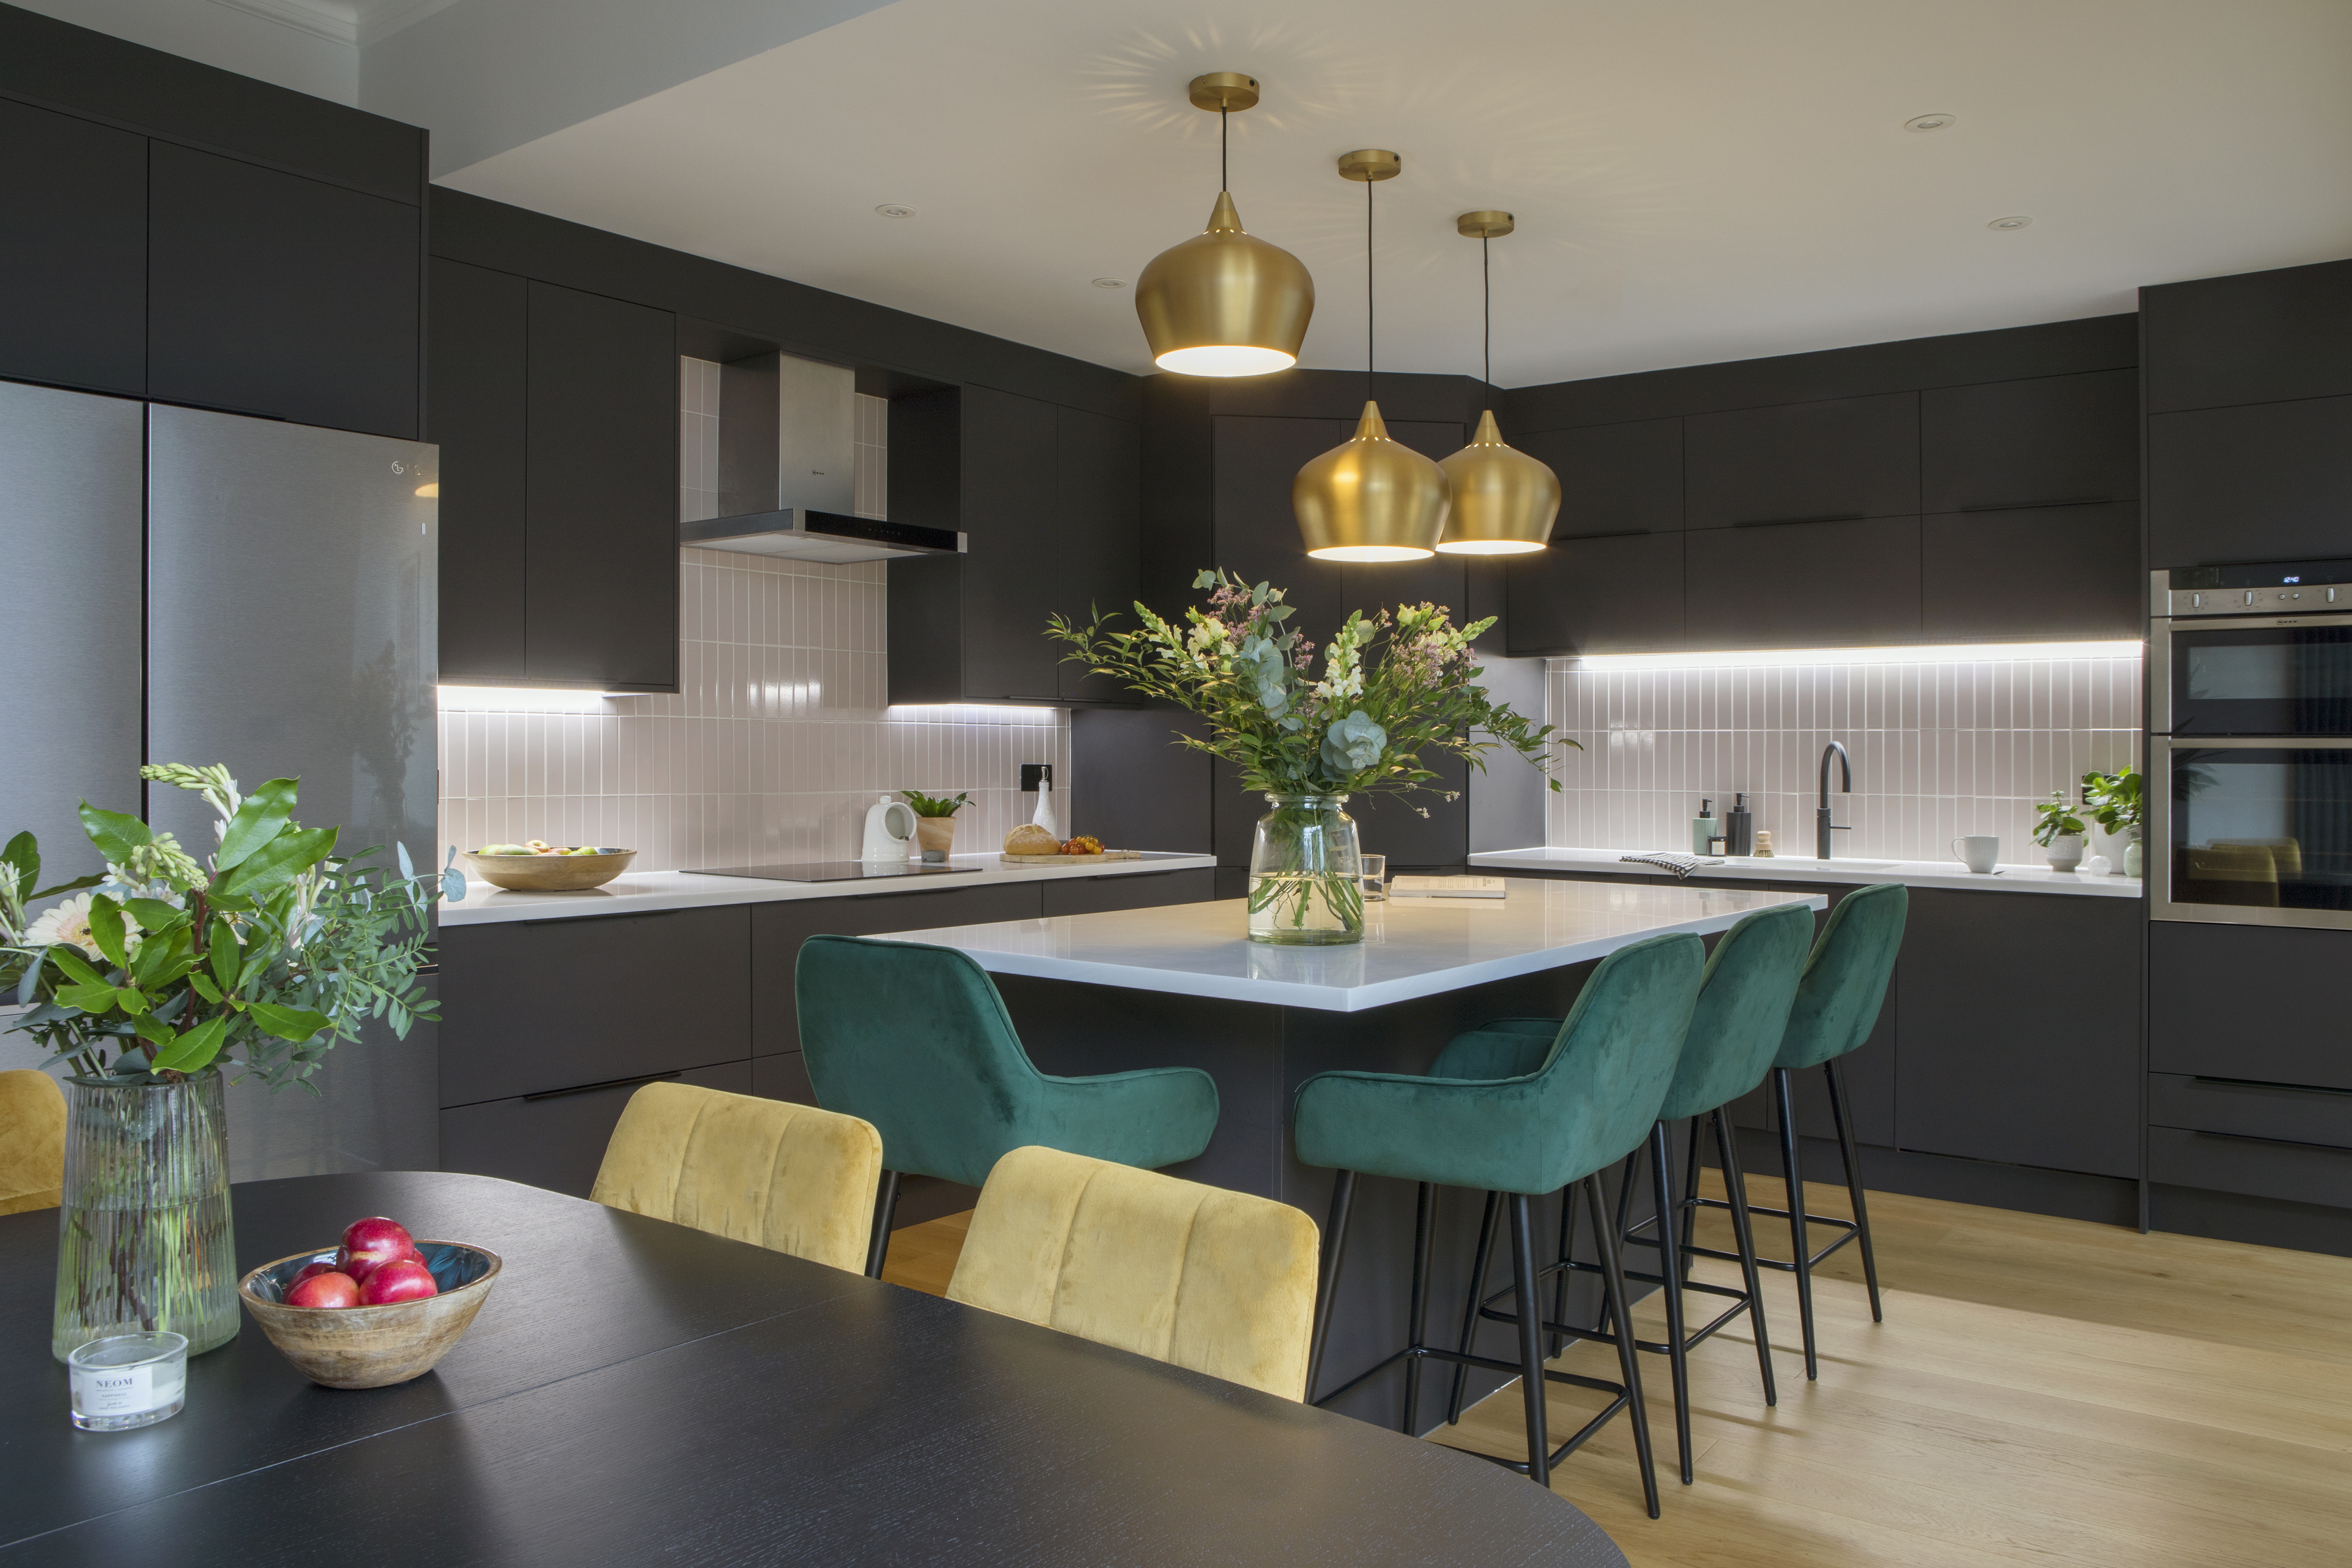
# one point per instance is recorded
(2042, 1392)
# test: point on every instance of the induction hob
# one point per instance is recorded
(832, 871)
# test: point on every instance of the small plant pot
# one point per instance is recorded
(935, 836)
(2065, 851)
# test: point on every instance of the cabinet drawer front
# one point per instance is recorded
(1135, 890)
(557, 1142)
(778, 930)
(2256, 1167)
(2250, 1004)
(2251, 1110)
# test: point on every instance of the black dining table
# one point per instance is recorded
(637, 1392)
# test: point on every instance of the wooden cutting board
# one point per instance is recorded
(1070, 859)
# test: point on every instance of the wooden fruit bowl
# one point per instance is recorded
(371, 1347)
(549, 873)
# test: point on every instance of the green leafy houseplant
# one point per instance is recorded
(2114, 800)
(923, 804)
(2057, 820)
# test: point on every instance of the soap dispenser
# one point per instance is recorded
(1738, 827)
(1704, 829)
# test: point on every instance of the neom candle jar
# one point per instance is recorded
(128, 1380)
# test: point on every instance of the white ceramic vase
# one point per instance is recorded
(2065, 851)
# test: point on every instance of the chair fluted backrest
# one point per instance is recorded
(1221, 1282)
(1595, 1095)
(1744, 999)
(789, 1177)
(1844, 983)
(32, 1141)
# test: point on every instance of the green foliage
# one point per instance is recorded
(923, 804)
(2057, 819)
(264, 959)
(1398, 691)
(2114, 800)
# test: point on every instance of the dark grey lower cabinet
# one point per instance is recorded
(2248, 1004)
(557, 1140)
(1135, 890)
(2250, 1167)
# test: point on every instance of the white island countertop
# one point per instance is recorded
(643, 893)
(1860, 869)
(1411, 947)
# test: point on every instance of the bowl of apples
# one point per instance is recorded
(380, 1309)
(539, 866)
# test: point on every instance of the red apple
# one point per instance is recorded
(311, 1271)
(328, 1289)
(402, 1279)
(370, 1244)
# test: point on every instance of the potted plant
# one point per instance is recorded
(2059, 832)
(935, 821)
(2112, 801)
(153, 977)
(1398, 692)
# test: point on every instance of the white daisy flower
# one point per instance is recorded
(68, 923)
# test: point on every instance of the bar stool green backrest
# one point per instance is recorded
(915, 1039)
(1844, 982)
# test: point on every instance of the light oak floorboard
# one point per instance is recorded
(923, 1257)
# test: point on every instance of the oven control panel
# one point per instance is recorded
(2211, 591)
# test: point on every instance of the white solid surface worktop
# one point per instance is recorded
(1411, 947)
(1804, 869)
(642, 893)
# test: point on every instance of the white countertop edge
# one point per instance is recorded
(1322, 998)
(2006, 879)
(647, 892)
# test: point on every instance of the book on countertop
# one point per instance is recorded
(1668, 860)
(1445, 888)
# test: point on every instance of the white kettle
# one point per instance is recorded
(888, 824)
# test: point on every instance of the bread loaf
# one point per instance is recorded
(1030, 839)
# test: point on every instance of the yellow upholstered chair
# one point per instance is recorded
(785, 1176)
(1217, 1281)
(32, 1141)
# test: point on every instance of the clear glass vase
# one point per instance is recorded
(1307, 885)
(145, 1239)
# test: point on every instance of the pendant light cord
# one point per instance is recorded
(1370, 340)
(1486, 313)
(1224, 121)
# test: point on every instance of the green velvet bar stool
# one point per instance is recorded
(1837, 1006)
(915, 1039)
(1744, 999)
(1588, 1101)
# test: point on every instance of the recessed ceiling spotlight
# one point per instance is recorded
(893, 209)
(2009, 223)
(1929, 122)
(1111, 282)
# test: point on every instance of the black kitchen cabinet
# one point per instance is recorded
(2264, 482)
(1010, 447)
(2032, 572)
(1133, 891)
(1613, 479)
(1097, 541)
(2254, 337)
(2251, 1004)
(272, 294)
(1622, 594)
(1803, 584)
(2018, 1037)
(1798, 462)
(2048, 441)
(600, 502)
(557, 1140)
(476, 395)
(73, 251)
(1134, 786)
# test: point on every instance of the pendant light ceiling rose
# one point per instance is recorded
(1484, 225)
(1223, 92)
(1504, 501)
(1369, 163)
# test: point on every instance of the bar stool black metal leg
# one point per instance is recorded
(1629, 1359)
(1531, 1367)
(1555, 1344)
(1734, 1185)
(1335, 1244)
(1470, 1308)
(1792, 1171)
(886, 1209)
(1670, 1271)
(1626, 1170)
(1689, 1216)
(1839, 1113)
(1424, 1217)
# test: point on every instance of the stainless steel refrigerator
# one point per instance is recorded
(199, 587)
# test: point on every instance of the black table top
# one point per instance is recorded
(635, 1391)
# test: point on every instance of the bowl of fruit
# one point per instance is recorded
(541, 868)
(380, 1308)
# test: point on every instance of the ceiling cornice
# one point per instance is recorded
(336, 21)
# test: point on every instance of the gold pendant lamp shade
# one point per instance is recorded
(1504, 501)
(1369, 497)
(1225, 303)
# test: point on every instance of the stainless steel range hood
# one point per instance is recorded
(787, 470)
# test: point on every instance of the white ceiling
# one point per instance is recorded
(1694, 180)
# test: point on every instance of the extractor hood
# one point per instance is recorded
(787, 467)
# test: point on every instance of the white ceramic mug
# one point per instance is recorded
(1979, 853)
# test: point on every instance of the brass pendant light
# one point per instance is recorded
(1223, 303)
(1369, 498)
(1504, 501)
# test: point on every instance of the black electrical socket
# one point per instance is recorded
(1034, 774)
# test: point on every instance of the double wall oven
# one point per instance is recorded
(2250, 754)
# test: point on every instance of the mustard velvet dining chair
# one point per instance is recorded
(1216, 1281)
(789, 1177)
(32, 1141)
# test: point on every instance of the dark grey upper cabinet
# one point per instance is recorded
(1098, 499)
(1009, 452)
(1622, 594)
(1256, 536)
(2032, 572)
(272, 294)
(2257, 337)
(475, 397)
(1847, 458)
(2267, 483)
(2049, 441)
(1804, 584)
(601, 492)
(73, 251)
(1614, 479)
